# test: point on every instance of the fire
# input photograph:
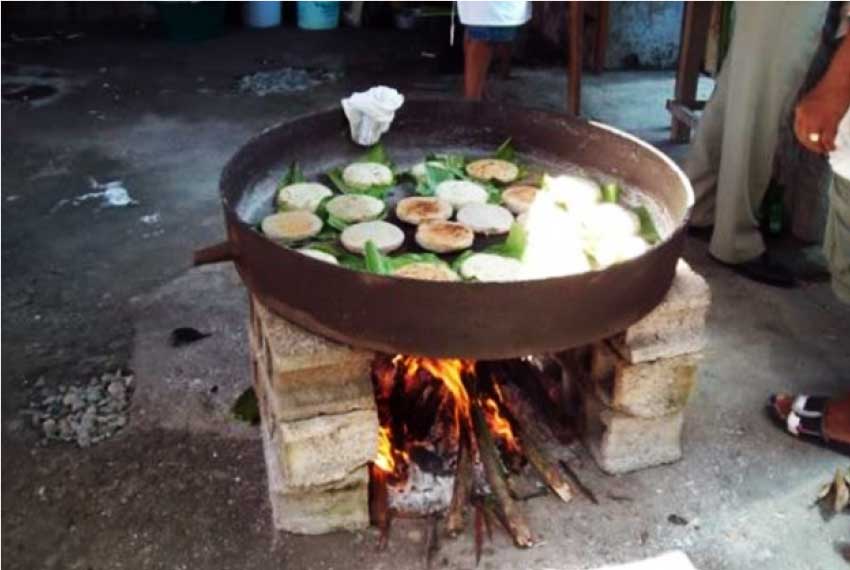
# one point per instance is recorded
(500, 426)
(450, 372)
(385, 460)
(425, 402)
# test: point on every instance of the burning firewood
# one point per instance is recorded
(548, 471)
(379, 504)
(462, 488)
(532, 445)
(512, 515)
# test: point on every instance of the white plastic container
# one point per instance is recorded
(260, 14)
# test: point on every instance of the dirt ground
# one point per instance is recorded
(89, 289)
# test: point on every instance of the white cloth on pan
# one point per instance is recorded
(370, 113)
(500, 13)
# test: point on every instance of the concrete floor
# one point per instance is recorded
(88, 289)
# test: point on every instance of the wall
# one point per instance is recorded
(643, 34)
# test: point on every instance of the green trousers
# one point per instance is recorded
(836, 241)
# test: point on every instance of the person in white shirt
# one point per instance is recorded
(490, 27)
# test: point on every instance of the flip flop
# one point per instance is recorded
(800, 415)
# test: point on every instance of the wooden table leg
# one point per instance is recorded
(601, 47)
(575, 26)
(695, 24)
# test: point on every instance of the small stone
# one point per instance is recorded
(117, 389)
(677, 520)
(72, 400)
(93, 394)
(50, 428)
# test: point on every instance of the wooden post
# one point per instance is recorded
(575, 25)
(695, 23)
(601, 47)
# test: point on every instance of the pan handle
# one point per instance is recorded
(214, 254)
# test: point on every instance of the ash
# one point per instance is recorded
(85, 414)
(285, 80)
(422, 493)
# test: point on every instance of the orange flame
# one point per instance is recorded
(385, 460)
(500, 426)
(450, 372)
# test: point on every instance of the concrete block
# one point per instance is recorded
(645, 390)
(339, 505)
(324, 449)
(620, 443)
(318, 450)
(673, 328)
(309, 375)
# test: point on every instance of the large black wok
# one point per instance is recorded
(474, 320)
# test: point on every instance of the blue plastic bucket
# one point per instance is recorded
(261, 14)
(318, 15)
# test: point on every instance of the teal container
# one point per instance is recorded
(318, 15)
(261, 14)
(192, 21)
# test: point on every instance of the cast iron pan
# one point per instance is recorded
(472, 320)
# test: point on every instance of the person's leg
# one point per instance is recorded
(477, 56)
(503, 56)
(703, 161)
(767, 60)
(836, 241)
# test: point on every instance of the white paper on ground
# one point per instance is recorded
(370, 113)
(673, 560)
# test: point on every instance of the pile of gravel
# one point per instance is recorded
(285, 80)
(84, 414)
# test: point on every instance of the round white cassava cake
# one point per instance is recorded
(459, 193)
(419, 209)
(493, 169)
(302, 196)
(291, 226)
(487, 219)
(491, 267)
(518, 199)
(320, 255)
(384, 235)
(443, 236)
(427, 272)
(367, 174)
(355, 207)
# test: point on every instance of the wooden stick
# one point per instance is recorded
(548, 471)
(515, 520)
(530, 439)
(379, 504)
(583, 489)
(433, 545)
(462, 488)
(479, 531)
